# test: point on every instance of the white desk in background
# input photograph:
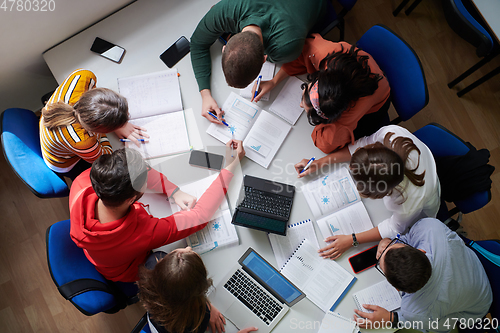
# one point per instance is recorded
(145, 29)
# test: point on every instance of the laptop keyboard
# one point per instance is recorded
(261, 222)
(267, 202)
(254, 298)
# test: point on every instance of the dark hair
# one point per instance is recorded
(118, 176)
(99, 110)
(174, 292)
(407, 269)
(343, 78)
(379, 168)
(242, 59)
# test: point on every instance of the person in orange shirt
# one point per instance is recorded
(345, 84)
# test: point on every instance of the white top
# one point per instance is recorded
(421, 201)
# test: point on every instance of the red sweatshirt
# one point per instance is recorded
(118, 248)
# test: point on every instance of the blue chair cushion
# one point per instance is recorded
(461, 8)
(402, 68)
(21, 146)
(67, 262)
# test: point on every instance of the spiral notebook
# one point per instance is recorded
(324, 282)
(336, 323)
(382, 294)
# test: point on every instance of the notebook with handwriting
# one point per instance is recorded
(324, 282)
(382, 294)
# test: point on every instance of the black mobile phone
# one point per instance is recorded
(108, 50)
(175, 52)
(206, 160)
(364, 260)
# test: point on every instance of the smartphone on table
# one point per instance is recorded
(364, 260)
(206, 160)
(108, 50)
(175, 52)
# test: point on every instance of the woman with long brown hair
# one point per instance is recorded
(75, 121)
(393, 165)
(172, 288)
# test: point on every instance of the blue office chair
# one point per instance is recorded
(142, 326)
(466, 22)
(444, 143)
(21, 147)
(403, 4)
(333, 20)
(77, 279)
(402, 68)
(488, 252)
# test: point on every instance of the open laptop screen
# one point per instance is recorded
(261, 270)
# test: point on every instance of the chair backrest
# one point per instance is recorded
(444, 143)
(402, 68)
(461, 21)
(21, 147)
(76, 277)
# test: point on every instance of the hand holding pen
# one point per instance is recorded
(217, 118)
(303, 166)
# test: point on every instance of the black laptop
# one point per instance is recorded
(264, 205)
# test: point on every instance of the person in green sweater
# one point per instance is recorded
(273, 30)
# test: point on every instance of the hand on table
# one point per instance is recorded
(132, 132)
(184, 200)
(217, 320)
(248, 329)
(208, 103)
(265, 87)
(379, 314)
(339, 244)
(301, 165)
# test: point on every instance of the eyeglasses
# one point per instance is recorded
(392, 242)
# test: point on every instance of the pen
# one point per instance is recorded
(127, 140)
(232, 148)
(308, 164)
(258, 86)
(213, 115)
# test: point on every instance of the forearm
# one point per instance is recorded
(368, 236)
(159, 183)
(341, 156)
(280, 76)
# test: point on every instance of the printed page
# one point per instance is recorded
(331, 193)
(218, 232)
(167, 135)
(197, 189)
(351, 219)
(335, 323)
(240, 115)
(267, 73)
(283, 246)
(151, 94)
(323, 281)
(265, 138)
(381, 294)
(287, 103)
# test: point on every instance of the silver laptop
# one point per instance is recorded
(254, 293)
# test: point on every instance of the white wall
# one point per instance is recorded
(25, 35)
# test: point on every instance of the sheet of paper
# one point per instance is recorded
(323, 281)
(335, 323)
(197, 189)
(381, 294)
(351, 219)
(267, 72)
(287, 103)
(167, 135)
(331, 193)
(265, 138)
(151, 94)
(218, 232)
(283, 246)
(240, 114)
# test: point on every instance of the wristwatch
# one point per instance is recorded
(355, 242)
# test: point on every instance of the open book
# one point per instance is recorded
(381, 294)
(154, 102)
(262, 133)
(324, 282)
(287, 103)
(336, 203)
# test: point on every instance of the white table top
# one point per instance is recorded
(490, 10)
(145, 29)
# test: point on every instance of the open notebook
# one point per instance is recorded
(155, 103)
(261, 132)
(336, 203)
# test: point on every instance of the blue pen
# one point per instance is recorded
(308, 164)
(213, 115)
(258, 86)
(127, 140)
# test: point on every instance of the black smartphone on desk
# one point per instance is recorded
(206, 160)
(108, 50)
(364, 260)
(175, 52)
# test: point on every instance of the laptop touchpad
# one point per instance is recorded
(241, 316)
